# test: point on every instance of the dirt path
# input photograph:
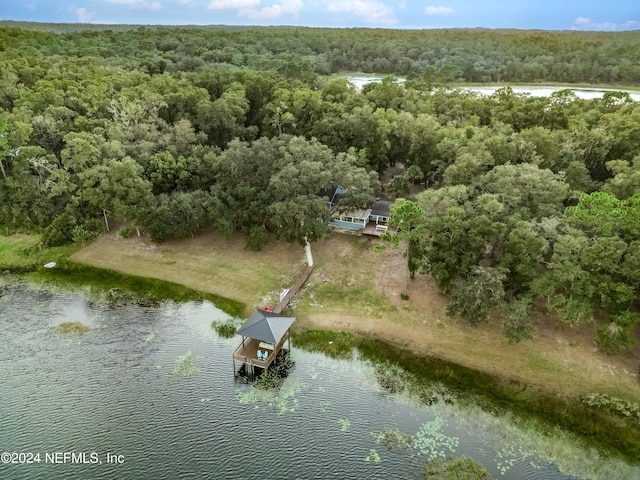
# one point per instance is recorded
(357, 290)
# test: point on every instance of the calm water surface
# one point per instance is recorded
(533, 90)
(112, 391)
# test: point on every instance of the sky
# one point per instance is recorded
(604, 15)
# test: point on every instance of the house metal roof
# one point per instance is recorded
(381, 208)
(266, 326)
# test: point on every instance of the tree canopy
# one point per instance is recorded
(529, 201)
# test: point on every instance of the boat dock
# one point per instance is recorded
(265, 332)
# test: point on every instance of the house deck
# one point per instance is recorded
(375, 229)
(247, 353)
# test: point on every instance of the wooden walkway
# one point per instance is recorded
(293, 289)
(246, 353)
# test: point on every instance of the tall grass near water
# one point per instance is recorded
(431, 380)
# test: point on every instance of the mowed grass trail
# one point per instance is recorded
(208, 263)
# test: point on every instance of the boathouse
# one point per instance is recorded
(263, 336)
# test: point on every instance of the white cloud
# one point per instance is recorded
(368, 11)
(439, 10)
(140, 4)
(185, 2)
(584, 23)
(286, 8)
(232, 4)
(84, 15)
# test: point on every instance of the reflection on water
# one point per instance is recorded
(111, 395)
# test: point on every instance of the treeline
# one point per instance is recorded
(529, 201)
(452, 55)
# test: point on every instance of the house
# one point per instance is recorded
(368, 221)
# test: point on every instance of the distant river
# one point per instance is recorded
(107, 405)
(533, 90)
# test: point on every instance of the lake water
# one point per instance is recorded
(111, 395)
(534, 91)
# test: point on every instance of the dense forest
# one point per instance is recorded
(530, 202)
(470, 55)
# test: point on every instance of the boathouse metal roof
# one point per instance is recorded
(266, 326)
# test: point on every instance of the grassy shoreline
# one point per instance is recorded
(22, 257)
(615, 434)
(496, 392)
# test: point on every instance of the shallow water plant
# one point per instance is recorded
(459, 469)
(615, 405)
(283, 399)
(391, 378)
(333, 344)
(184, 365)
(273, 377)
(430, 441)
(372, 456)
(224, 329)
(345, 423)
(394, 439)
(71, 328)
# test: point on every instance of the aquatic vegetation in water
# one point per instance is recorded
(205, 399)
(430, 440)
(283, 399)
(273, 377)
(345, 423)
(394, 439)
(511, 454)
(520, 439)
(372, 456)
(118, 296)
(333, 344)
(224, 329)
(615, 405)
(461, 468)
(71, 328)
(184, 365)
(149, 338)
(391, 378)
